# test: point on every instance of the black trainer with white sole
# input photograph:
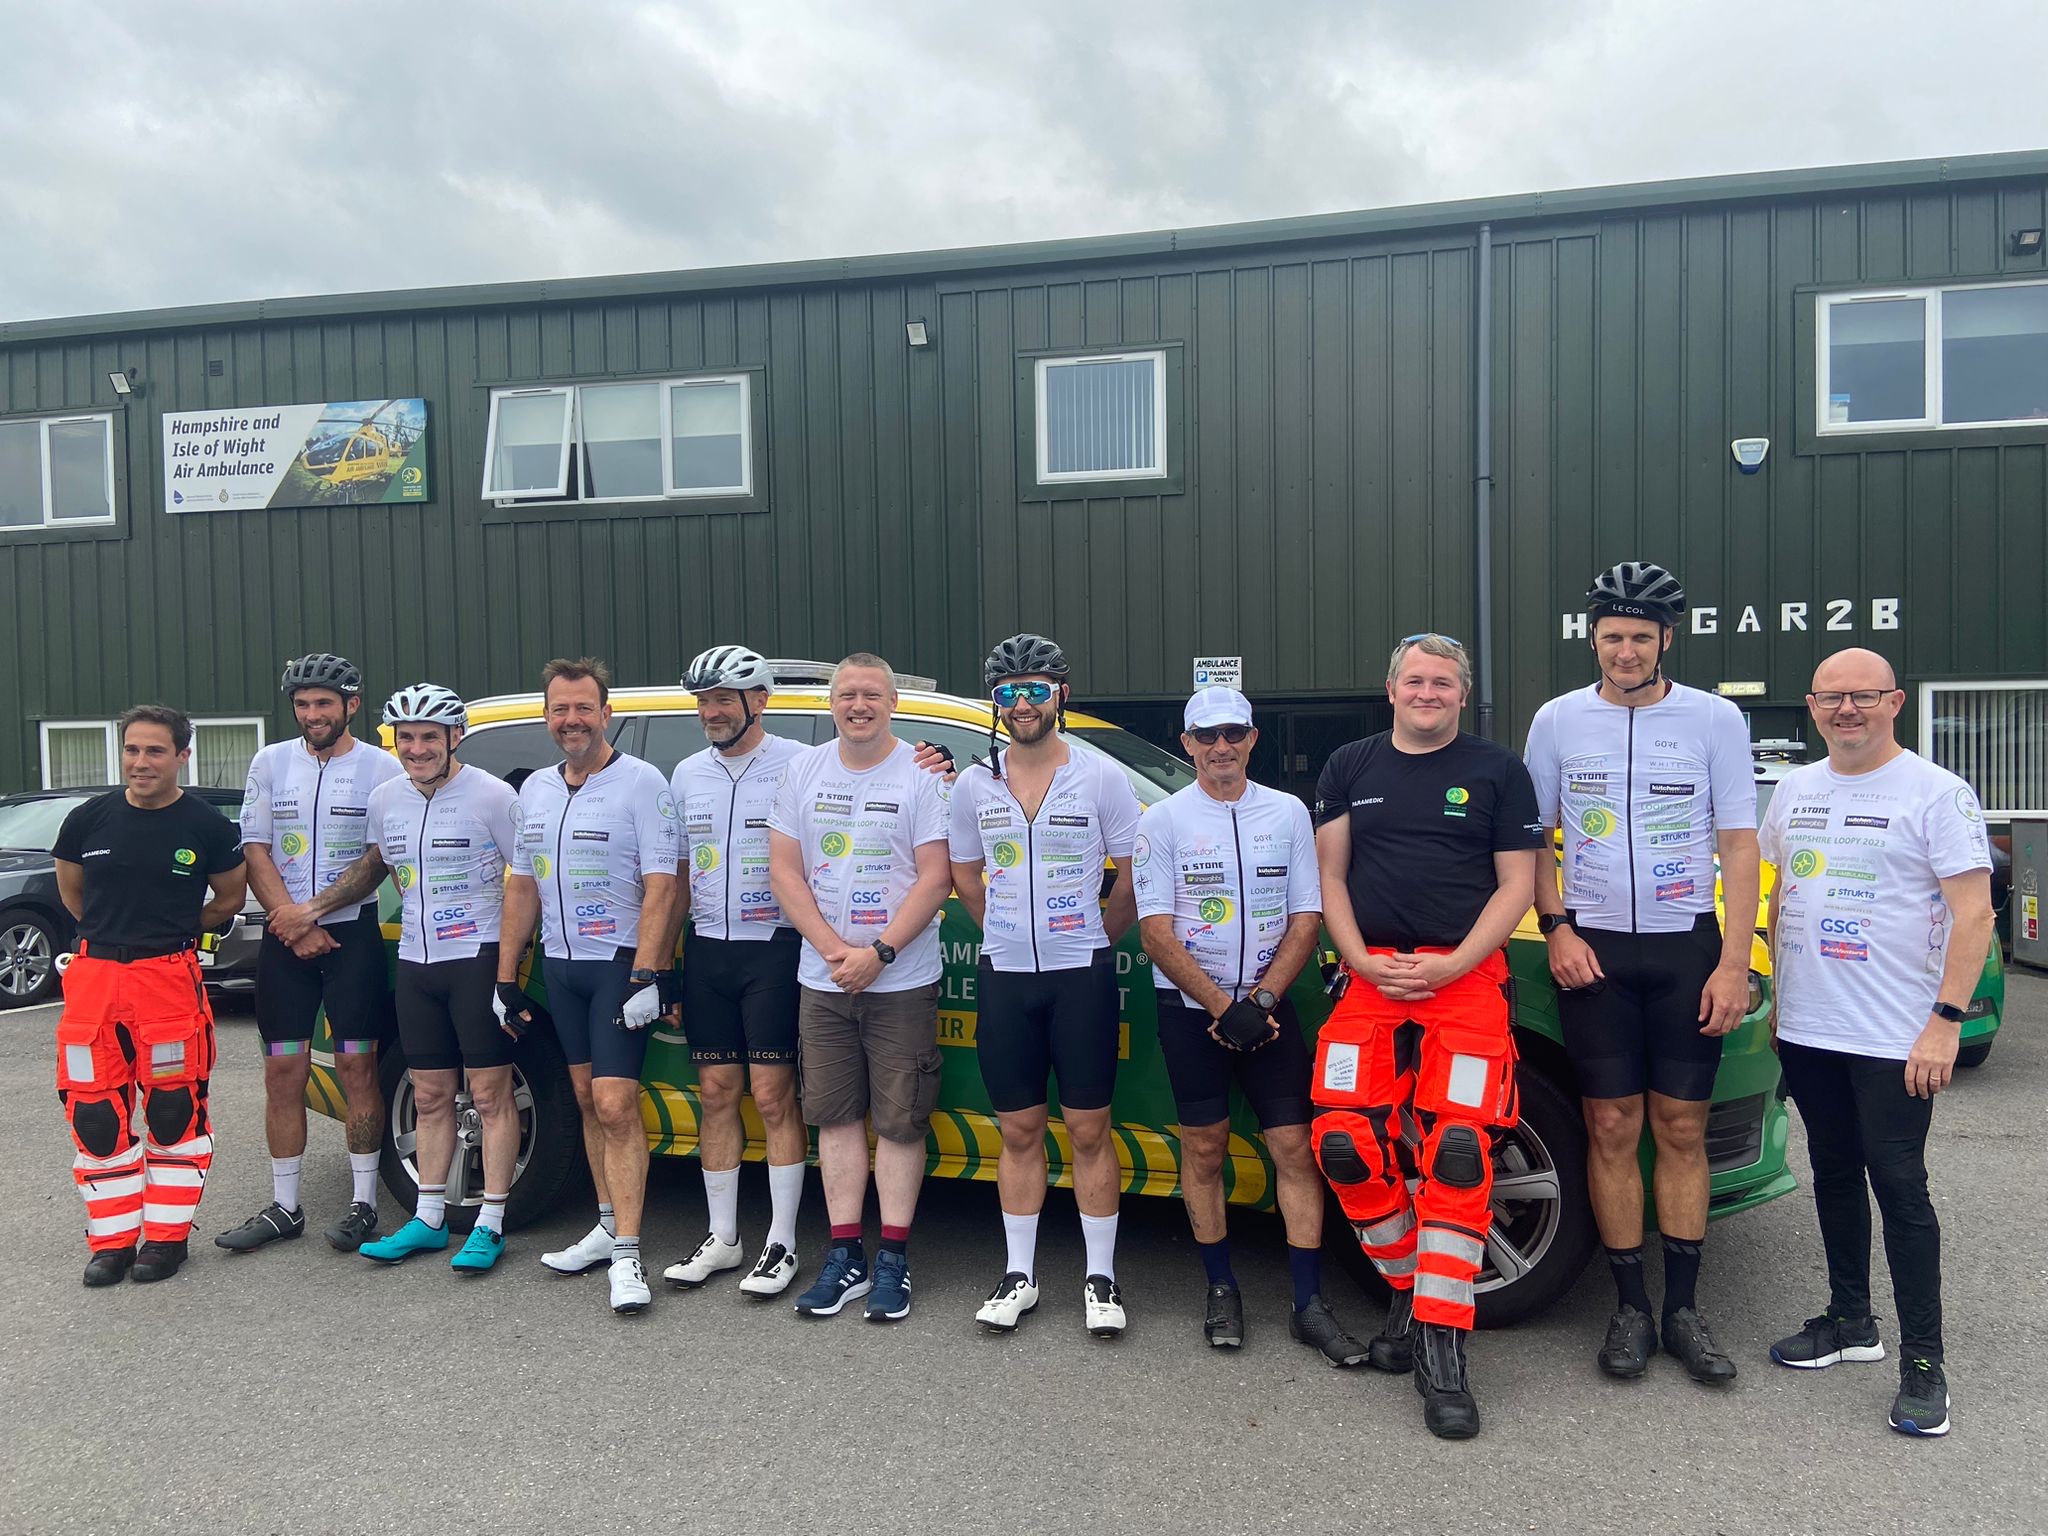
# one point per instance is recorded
(268, 1225)
(1827, 1340)
(1921, 1408)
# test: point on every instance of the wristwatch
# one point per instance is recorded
(1952, 1013)
(887, 953)
(1263, 1000)
(640, 976)
(1548, 922)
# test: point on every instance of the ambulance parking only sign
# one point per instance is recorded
(1219, 671)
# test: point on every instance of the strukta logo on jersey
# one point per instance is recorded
(1856, 893)
(293, 844)
(835, 845)
(1456, 798)
(1597, 822)
(1807, 863)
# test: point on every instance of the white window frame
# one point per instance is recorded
(563, 493)
(2009, 685)
(185, 773)
(106, 730)
(1156, 471)
(50, 520)
(1931, 297)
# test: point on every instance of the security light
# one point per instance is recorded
(124, 386)
(919, 336)
(2026, 242)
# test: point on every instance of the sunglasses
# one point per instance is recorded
(1207, 734)
(1430, 634)
(1008, 695)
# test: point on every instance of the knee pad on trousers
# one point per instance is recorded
(101, 1126)
(1338, 1154)
(1460, 1157)
(1347, 1147)
(172, 1115)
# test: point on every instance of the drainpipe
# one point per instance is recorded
(1482, 506)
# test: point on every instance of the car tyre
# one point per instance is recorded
(1975, 1054)
(29, 945)
(550, 1137)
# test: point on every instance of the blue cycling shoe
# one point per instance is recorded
(479, 1253)
(414, 1237)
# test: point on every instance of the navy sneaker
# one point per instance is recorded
(889, 1301)
(1921, 1408)
(844, 1278)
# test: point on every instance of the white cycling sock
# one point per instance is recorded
(492, 1216)
(284, 1181)
(607, 1220)
(433, 1206)
(1020, 1233)
(1099, 1233)
(785, 1194)
(362, 1172)
(722, 1194)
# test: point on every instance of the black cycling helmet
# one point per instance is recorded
(1636, 589)
(321, 670)
(1024, 656)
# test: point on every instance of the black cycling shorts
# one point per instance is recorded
(1639, 1027)
(445, 1018)
(585, 997)
(352, 981)
(740, 999)
(1032, 1023)
(1274, 1078)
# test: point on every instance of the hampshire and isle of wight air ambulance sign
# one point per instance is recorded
(342, 453)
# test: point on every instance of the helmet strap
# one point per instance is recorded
(995, 762)
(748, 717)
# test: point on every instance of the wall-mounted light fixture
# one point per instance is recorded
(919, 335)
(2026, 242)
(123, 382)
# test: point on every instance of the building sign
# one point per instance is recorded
(342, 453)
(1219, 672)
(1838, 615)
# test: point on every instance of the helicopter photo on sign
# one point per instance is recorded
(255, 458)
(359, 451)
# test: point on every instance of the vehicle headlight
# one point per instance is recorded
(1756, 992)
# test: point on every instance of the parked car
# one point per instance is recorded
(1542, 1233)
(35, 928)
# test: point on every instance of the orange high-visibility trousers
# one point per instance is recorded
(1413, 1090)
(145, 1028)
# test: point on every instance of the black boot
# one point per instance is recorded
(1447, 1406)
(109, 1266)
(158, 1261)
(1393, 1347)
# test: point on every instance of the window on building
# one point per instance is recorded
(87, 753)
(56, 472)
(222, 751)
(1995, 736)
(651, 440)
(1101, 417)
(1929, 358)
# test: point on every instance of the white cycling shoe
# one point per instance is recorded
(711, 1258)
(1105, 1307)
(771, 1273)
(1007, 1304)
(629, 1285)
(593, 1250)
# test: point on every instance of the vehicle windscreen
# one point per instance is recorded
(33, 824)
(1153, 773)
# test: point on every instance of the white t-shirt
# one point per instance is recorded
(860, 830)
(1862, 929)
(447, 856)
(726, 803)
(1230, 873)
(589, 850)
(313, 815)
(1045, 872)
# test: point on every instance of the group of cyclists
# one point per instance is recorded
(811, 879)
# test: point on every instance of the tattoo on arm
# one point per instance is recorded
(356, 885)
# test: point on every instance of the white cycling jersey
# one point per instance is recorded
(447, 855)
(1640, 794)
(1044, 872)
(589, 849)
(1229, 873)
(312, 815)
(726, 802)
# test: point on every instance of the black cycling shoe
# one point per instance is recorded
(1223, 1322)
(266, 1226)
(1393, 1347)
(1921, 1408)
(1631, 1340)
(1447, 1406)
(158, 1261)
(354, 1229)
(1316, 1326)
(1687, 1339)
(109, 1266)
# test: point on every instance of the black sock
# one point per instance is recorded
(1626, 1265)
(1681, 1275)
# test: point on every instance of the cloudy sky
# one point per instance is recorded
(177, 151)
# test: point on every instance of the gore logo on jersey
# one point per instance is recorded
(1866, 821)
(1670, 788)
(1068, 821)
(449, 842)
(1272, 871)
(887, 807)
(589, 835)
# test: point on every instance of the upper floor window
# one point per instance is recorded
(1928, 358)
(643, 441)
(1101, 417)
(56, 471)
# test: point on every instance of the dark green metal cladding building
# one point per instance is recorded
(1278, 441)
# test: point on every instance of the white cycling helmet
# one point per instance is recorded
(426, 704)
(728, 666)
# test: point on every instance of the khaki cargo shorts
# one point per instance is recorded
(868, 1053)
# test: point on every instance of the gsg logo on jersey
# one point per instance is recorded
(450, 914)
(1668, 869)
(1064, 903)
(1848, 927)
(868, 898)
(590, 909)
(757, 898)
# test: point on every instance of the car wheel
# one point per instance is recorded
(28, 959)
(1542, 1232)
(550, 1137)
(1975, 1053)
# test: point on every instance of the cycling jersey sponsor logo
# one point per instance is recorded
(1669, 787)
(834, 845)
(543, 866)
(1597, 822)
(1456, 798)
(875, 867)
(1063, 902)
(1272, 871)
(589, 835)
(596, 927)
(1866, 821)
(1067, 821)
(665, 803)
(1215, 909)
(1847, 927)
(1668, 869)
(1844, 949)
(1141, 850)
(1007, 853)
(1967, 804)
(406, 876)
(1807, 824)
(463, 929)
(348, 810)
(449, 842)
(1194, 877)
(994, 819)
(1275, 911)
(1065, 871)
(1848, 872)
(1071, 922)
(757, 823)
(1677, 890)
(1587, 784)
(887, 807)
(704, 858)
(293, 844)
(1858, 893)
(186, 856)
(871, 917)
(1807, 863)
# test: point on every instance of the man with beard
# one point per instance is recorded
(304, 811)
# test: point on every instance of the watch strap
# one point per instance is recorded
(1952, 1013)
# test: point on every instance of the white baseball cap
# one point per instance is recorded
(1216, 706)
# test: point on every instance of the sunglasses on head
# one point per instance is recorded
(1008, 695)
(1430, 634)
(1207, 734)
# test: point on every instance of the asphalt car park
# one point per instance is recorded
(301, 1390)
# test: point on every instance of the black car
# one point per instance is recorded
(35, 928)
